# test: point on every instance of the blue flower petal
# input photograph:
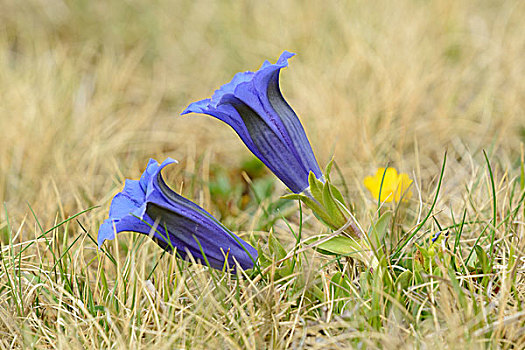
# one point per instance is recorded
(229, 115)
(128, 200)
(272, 150)
(105, 232)
(229, 88)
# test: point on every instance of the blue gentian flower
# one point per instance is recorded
(150, 207)
(252, 104)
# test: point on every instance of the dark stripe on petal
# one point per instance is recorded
(275, 154)
(189, 235)
(177, 199)
(293, 126)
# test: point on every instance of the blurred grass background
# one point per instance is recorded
(89, 90)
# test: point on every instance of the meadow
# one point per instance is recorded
(90, 90)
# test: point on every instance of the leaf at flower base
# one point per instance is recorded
(337, 194)
(379, 228)
(293, 196)
(316, 187)
(332, 208)
(328, 169)
(317, 209)
(341, 245)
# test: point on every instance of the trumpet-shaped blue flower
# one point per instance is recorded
(151, 207)
(252, 104)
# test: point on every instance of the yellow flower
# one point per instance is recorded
(395, 186)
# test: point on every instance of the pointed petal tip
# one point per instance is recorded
(283, 59)
(197, 107)
(151, 162)
(287, 54)
(155, 166)
(105, 232)
(150, 174)
(189, 110)
(167, 162)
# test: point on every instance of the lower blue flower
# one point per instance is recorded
(151, 207)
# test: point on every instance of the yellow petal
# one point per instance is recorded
(371, 184)
(391, 185)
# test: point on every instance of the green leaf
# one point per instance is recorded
(328, 169)
(317, 209)
(276, 249)
(316, 187)
(335, 283)
(457, 288)
(332, 208)
(483, 259)
(403, 280)
(424, 252)
(317, 292)
(379, 228)
(365, 281)
(293, 196)
(341, 285)
(418, 278)
(337, 194)
(341, 245)
(263, 260)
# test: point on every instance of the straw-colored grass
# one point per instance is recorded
(89, 90)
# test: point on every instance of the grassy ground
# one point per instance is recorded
(90, 90)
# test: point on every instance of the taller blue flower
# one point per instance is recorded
(252, 104)
(151, 207)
